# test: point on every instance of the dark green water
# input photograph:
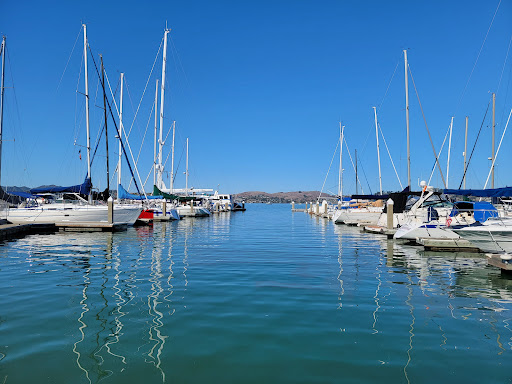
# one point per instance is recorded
(265, 296)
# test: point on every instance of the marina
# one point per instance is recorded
(256, 192)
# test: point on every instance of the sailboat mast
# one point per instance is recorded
(357, 178)
(105, 110)
(156, 130)
(493, 139)
(120, 135)
(186, 172)
(378, 149)
(407, 120)
(2, 52)
(160, 140)
(465, 152)
(340, 174)
(449, 150)
(87, 108)
(172, 155)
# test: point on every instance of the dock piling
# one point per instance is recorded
(110, 203)
(390, 204)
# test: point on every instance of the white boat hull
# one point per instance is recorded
(171, 213)
(424, 231)
(186, 211)
(491, 239)
(73, 213)
(357, 215)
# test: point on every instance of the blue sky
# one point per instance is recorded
(259, 87)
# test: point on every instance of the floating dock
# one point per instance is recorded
(389, 232)
(503, 262)
(11, 231)
(91, 227)
(460, 245)
(162, 218)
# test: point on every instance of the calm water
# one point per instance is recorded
(262, 296)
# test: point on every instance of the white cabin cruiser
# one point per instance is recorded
(493, 236)
(464, 213)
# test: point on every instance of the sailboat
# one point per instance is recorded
(67, 205)
(192, 205)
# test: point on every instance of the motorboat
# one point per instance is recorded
(463, 213)
(492, 236)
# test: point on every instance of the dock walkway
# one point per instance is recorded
(11, 231)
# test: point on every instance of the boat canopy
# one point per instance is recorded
(481, 210)
(495, 192)
(168, 196)
(14, 197)
(123, 194)
(379, 197)
(83, 189)
(369, 197)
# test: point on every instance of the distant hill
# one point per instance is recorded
(282, 197)
(248, 197)
(16, 189)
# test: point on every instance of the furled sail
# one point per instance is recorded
(83, 189)
(123, 194)
(495, 192)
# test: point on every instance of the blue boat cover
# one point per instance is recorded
(481, 210)
(123, 194)
(83, 189)
(25, 195)
(496, 192)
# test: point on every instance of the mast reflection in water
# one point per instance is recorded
(264, 295)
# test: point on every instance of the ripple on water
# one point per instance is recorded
(261, 296)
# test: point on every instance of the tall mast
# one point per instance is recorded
(156, 130)
(120, 135)
(449, 150)
(105, 110)
(172, 155)
(340, 174)
(186, 172)
(407, 120)
(465, 152)
(2, 52)
(493, 131)
(87, 109)
(160, 140)
(378, 149)
(357, 190)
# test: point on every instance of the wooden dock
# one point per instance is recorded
(504, 262)
(162, 218)
(11, 231)
(447, 245)
(91, 227)
(380, 230)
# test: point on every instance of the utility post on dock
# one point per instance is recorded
(110, 203)
(390, 205)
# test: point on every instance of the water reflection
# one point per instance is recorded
(156, 338)
(116, 274)
(419, 303)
